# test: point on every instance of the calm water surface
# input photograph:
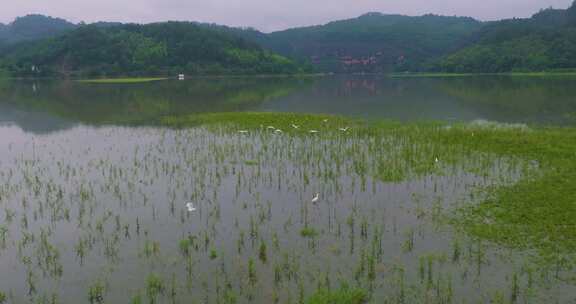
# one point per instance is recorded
(42, 106)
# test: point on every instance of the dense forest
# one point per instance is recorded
(154, 49)
(544, 42)
(372, 43)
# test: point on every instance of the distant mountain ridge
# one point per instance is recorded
(167, 48)
(373, 42)
(376, 42)
(33, 27)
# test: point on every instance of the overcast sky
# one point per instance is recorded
(266, 15)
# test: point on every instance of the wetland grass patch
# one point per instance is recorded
(407, 213)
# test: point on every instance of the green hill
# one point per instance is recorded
(154, 49)
(33, 27)
(373, 42)
(546, 41)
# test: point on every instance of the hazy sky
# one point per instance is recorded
(266, 15)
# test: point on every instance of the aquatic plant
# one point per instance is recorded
(96, 293)
(343, 295)
(404, 210)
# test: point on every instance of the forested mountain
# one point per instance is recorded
(546, 41)
(154, 49)
(373, 42)
(33, 27)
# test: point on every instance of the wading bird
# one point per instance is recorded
(190, 207)
(295, 126)
(313, 131)
(344, 129)
(316, 198)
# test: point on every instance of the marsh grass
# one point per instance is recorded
(408, 213)
(533, 213)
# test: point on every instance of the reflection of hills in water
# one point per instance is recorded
(520, 99)
(46, 106)
(35, 122)
(53, 104)
(504, 99)
(374, 98)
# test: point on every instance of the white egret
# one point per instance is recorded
(344, 129)
(313, 131)
(295, 126)
(190, 207)
(316, 198)
(325, 120)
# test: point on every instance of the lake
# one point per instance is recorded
(41, 106)
(93, 192)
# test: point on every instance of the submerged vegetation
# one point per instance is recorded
(534, 212)
(291, 208)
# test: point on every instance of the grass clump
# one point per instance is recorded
(185, 246)
(95, 293)
(154, 287)
(308, 232)
(342, 295)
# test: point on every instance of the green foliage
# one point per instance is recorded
(343, 295)
(373, 42)
(185, 245)
(262, 252)
(546, 41)
(96, 293)
(166, 48)
(154, 287)
(308, 232)
(535, 52)
(137, 299)
(3, 297)
(213, 254)
(252, 278)
(535, 213)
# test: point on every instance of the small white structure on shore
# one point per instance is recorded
(181, 77)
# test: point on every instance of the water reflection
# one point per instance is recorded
(505, 99)
(52, 105)
(45, 106)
